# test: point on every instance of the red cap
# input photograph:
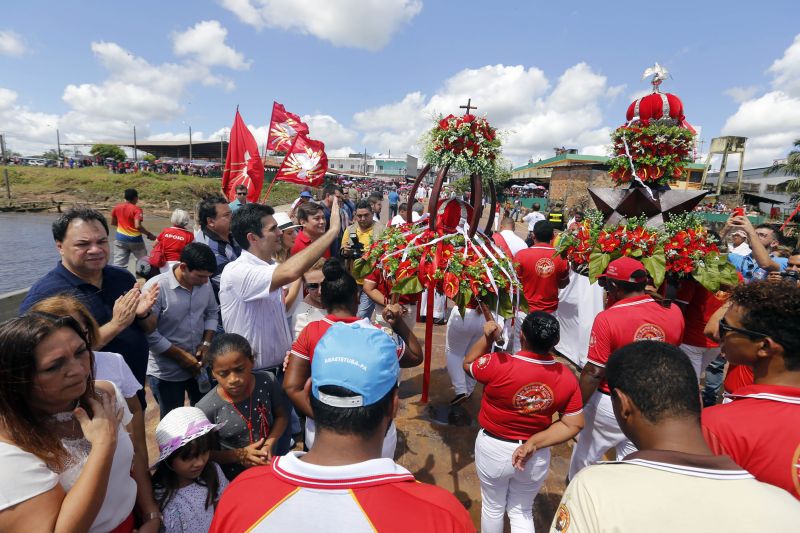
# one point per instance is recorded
(626, 269)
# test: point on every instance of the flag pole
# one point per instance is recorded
(269, 189)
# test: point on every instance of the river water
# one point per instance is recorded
(28, 249)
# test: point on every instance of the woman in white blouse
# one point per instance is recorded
(66, 456)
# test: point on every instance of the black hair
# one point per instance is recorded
(536, 207)
(330, 189)
(796, 251)
(208, 208)
(165, 480)
(658, 377)
(402, 207)
(375, 197)
(226, 343)
(773, 308)
(60, 224)
(775, 233)
(241, 187)
(360, 421)
(199, 256)
(541, 331)
(626, 287)
(307, 210)
(131, 194)
(339, 288)
(364, 204)
(543, 231)
(248, 219)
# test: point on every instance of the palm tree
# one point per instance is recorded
(790, 168)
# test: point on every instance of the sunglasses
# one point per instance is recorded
(313, 286)
(241, 194)
(725, 328)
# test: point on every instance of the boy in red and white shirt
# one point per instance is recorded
(760, 428)
(634, 316)
(522, 392)
(343, 483)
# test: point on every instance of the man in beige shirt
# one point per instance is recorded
(674, 482)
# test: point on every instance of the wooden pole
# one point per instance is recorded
(269, 190)
(426, 373)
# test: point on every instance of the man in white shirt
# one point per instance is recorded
(738, 243)
(674, 479)
(250, 297)
(513, 242)
(400, 217)
(532, 218)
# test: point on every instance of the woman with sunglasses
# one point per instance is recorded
(310, 308)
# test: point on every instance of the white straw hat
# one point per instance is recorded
(179, 426)
(284, 222)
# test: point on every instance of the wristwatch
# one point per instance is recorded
(206, 343)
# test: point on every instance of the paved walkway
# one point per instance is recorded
(436, 442)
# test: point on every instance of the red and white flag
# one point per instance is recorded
(283, 128)
(243, 165)
(305, 164)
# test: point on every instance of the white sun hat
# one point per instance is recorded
(284, 222)
(180, 426)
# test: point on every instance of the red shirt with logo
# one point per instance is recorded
(522, 392)
(540, 274)
(699, 305)
(638, 318)
(307, 341)
(760, 430)
(302, 241)
(173, 240)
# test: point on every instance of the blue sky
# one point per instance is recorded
(372, 73)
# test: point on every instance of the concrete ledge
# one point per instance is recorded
(10, 302)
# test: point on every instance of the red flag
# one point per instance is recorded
(283, 128)
(306, 163)
(243, 165)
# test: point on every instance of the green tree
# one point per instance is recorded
(790, 168)
(50, 154)
(150, 158)
(104, 151)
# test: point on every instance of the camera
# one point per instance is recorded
(792, 275)
(356, 249)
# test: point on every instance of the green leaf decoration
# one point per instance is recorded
(656, 266)
(410, 285)
(598, 262)
(362, 268)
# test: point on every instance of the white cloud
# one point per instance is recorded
(11, 44)
(205, 43)
(771, 121)
(26, 131)
(337, 138)
(520, 101)
(742, 94)
(368, 24)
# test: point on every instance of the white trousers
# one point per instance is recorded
(700, 357)
(461, 334)
(389, 442)
(439, 305)
(504, 489)
(600, 433)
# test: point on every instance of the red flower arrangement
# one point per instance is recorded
(414, 257)
(466, 143)
(656, 151)
(681, 249)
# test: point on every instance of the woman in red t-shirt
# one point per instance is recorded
(175, 238)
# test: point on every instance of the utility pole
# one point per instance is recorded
(135, 152)
(5, 165)
(58, 142)
(190, 145)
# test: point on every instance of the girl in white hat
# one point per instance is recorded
(187, 485)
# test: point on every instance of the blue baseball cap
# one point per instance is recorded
(360, 359)
(305, 194)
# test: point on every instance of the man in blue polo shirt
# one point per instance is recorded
(394, 200)
(762, 258)
(81, 237)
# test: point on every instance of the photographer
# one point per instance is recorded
(792, 271)
(357, 239)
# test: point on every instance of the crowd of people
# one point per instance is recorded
(276, 369)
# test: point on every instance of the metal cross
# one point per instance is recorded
(468, 106)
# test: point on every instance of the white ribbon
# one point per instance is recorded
(630, 159)
(511, 279)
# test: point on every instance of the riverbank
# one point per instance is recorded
(96, 186)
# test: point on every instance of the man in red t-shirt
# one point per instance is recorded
(342, 483)
(698, 304)
(540, 272)
(635, 316)
(312, 217)
(760, 429)
(127, 217)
